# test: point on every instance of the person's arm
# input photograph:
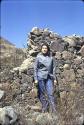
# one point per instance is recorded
(54, 70)
(35, 70)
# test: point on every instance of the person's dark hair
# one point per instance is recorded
(45, 44)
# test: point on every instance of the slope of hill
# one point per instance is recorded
(10, 56)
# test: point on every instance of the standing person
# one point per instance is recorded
(44, 76)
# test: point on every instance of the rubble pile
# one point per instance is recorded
(68, 51)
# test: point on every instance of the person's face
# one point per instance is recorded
(44, 49)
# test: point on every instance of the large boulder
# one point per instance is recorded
(8, 116)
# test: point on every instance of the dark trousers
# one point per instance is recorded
(45, 94)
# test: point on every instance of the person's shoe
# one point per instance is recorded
(44, 110)
(53, 110)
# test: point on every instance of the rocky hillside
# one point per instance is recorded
(18, 97)
(10, 57)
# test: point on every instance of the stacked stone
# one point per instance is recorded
(71, 80)
(39, 36)
(69, 53)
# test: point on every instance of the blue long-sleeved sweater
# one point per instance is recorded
(44, 65)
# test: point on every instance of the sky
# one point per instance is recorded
(18, 17)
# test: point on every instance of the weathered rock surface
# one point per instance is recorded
(8, 116)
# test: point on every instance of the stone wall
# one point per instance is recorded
(69, 53)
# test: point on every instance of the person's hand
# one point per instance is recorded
(36, 82)
(55, 82)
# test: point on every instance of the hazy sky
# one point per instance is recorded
(18, 17)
